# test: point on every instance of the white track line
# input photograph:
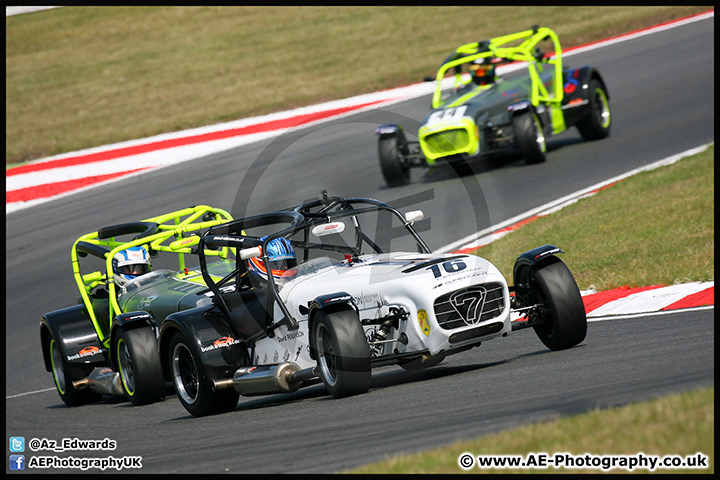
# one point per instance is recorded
(648, 314)
(30, 393)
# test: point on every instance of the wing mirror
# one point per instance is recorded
(414, 216)
(246, 253)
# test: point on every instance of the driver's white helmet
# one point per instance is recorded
(130, 263)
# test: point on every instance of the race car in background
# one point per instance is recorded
(480, 117)
(107, 343)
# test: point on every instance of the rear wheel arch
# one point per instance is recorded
(595, 75)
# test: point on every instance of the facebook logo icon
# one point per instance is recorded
(17, 462)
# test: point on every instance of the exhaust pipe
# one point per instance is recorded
(102, 380)
(266, 379)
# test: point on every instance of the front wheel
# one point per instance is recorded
(596, 124)
(562, 307)
(343, 354)
(529, 137)
(64, 384)
(396, 174)
(138, 362)
(194, 389)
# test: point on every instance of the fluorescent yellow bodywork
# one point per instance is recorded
(441, 138)
(171, 227)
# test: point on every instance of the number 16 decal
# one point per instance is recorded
(451, 266)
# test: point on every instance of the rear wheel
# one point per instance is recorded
(596, 124)
(530, 137)
(343, 354)
(395, 173)
(68, 393)
(138, 362)
(194, 389)
(554, 287)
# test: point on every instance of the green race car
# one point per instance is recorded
(107, 344)
(481, 114)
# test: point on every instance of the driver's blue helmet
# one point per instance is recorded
(130, 263)
(281, 256)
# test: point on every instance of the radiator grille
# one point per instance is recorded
(469, 306)
(448, 142)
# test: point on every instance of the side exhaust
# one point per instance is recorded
(102, 380)
(266, 379)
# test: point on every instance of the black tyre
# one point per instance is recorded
(193, 389)
(68, 393)
(529, 137)
(395, 173)
(596, 124)
(342, 352)
(138, 362)
(563, 310)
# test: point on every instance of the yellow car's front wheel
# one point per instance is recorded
(529, 137)
(394, 171)
(138, 362)
(596, 124)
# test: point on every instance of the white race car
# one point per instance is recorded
(352, 302)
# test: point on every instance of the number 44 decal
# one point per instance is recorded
(447, 115)
(451, 266)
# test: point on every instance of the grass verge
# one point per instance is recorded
(82, 76)
(680, 424)
(655, 228)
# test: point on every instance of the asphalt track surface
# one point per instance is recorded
(662, 96)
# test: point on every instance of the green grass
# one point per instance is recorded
(78, 77)
(679, 424)
(653, 228)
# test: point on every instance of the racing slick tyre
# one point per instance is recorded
(530, 137)
(138, 361)
(565, 320)
(64, 384)
(194, 389)
(596, 124)
(342, 352)
(395, 173)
